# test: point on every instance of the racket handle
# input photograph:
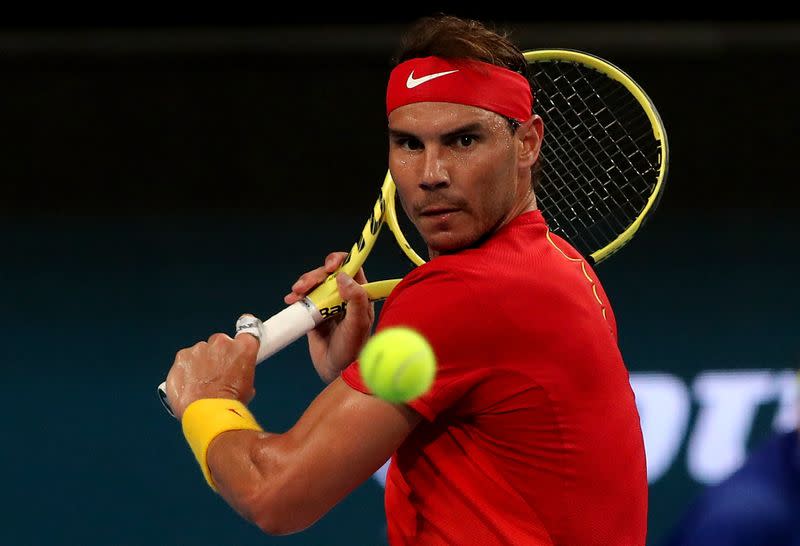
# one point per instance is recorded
(281, 329)
(274, 334)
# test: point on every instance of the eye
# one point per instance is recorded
(466, 141)
(408, 143)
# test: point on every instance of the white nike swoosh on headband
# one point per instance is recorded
(411, 83)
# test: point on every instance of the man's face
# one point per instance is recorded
(456, 168)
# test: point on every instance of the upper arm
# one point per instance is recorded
(343, 437)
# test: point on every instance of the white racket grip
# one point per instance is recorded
(281, 329)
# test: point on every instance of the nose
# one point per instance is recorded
(435, 174)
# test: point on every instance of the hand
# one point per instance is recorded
(220, 368)
(335, 343)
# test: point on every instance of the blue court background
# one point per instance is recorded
(150, 199)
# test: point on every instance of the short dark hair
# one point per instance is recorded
(454, 38)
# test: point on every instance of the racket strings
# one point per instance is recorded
(590, 164)
(600, 157)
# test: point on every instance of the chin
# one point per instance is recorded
(448, 243)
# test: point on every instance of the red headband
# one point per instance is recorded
(461, 81)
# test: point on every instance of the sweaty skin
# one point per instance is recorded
(459, 172)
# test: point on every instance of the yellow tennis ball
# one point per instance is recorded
(397, 364)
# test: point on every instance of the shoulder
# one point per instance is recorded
(441, 301)
(445, 276)
(438, 292)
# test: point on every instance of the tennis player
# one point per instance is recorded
(530, 434)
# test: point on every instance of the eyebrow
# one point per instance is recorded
(469, 128)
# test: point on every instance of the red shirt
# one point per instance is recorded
(530, 434)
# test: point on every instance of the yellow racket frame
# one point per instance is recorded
(613, 72)
(326, 296)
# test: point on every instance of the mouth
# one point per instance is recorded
(438, 211)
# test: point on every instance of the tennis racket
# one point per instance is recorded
(603, 166)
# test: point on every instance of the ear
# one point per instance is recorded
(530, 136)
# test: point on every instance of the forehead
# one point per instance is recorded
(422, 118)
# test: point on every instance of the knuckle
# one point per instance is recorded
(360, 294)
(244, 343)
(218, 338)
(334, 260)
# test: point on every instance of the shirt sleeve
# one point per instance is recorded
(442, 308)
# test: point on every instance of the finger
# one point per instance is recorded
(359, 310)
(183, 354)
(295, 296)
(248, 344)
(308, 281)
(334, 261)
(190, 352)
(345, 284)
(360, 277)
(311, 279)
(217, 338)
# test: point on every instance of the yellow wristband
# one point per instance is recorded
(207, 418)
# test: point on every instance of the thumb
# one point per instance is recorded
(248, 344)
(359, 310)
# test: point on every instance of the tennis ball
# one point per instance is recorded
(397, 364)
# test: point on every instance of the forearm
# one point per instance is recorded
(285, 482)
(249, 469)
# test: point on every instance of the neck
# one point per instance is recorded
(527, 204)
